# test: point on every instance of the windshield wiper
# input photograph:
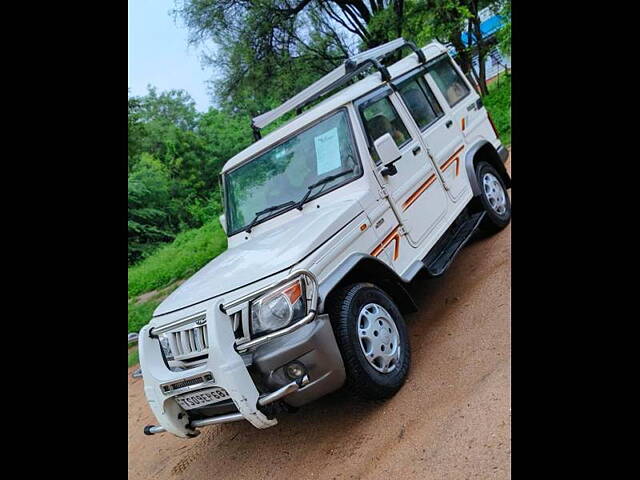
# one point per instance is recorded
(299, 204)
(324, 181)
(267, 210)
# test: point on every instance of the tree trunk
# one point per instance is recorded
(476, 80)
(482, 53)
(464, 60)
(399, 10)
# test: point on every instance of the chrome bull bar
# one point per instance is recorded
(264, 400)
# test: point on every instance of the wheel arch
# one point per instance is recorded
(360, 267)
(484, 150)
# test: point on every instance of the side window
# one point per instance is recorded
(421, 103)
(380, 117)
(449, 81)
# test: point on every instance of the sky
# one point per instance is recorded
(159, 54)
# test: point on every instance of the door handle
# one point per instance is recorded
(416, 149)
(449, 123)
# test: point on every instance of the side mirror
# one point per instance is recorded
(223, 222)
(388, 152)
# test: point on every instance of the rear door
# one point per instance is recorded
(415, 191)
(460, 104)
(442, 139)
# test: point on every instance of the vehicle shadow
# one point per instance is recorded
(238, 450)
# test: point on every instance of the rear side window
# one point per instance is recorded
(449, 81)
(421, 103)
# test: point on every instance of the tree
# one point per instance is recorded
(504, 34)
(149, 221)
(481, 47)
(223, 136)
(175, 157)
(173, 107)
(447, 21)
(167, 124)
(136, 131)
(450, 19)
(271, 49)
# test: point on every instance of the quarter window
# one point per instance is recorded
(449, 81)
(421, 103)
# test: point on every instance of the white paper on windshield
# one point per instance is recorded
(327, 151)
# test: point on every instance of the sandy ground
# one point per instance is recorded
(451, 420)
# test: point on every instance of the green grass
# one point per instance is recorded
(140, 314)
(134, 358)
(498, 103)
(189, 252)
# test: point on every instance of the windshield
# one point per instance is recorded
(285, 172)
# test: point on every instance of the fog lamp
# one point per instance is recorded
(295, 370)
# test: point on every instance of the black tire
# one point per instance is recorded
(363, 380)
(493, 221)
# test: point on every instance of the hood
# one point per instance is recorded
(267, 253)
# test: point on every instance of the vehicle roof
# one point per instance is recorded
(332, 103)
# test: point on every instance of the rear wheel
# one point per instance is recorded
(373, 340)
(493, 198)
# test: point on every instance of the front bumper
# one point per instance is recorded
(247, 378)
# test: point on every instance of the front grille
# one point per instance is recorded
(189, 342)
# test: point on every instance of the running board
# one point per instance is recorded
(440, 257)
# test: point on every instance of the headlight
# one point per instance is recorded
(278, 309)
(164, 344)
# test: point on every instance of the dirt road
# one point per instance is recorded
(451, 420)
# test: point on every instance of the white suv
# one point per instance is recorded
(328, 218)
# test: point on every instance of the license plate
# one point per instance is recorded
(202, 398)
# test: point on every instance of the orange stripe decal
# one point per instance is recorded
(393, 236)
(462, 123)
(414, 196)
(453, 158)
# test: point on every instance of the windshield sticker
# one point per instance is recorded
(327, 151)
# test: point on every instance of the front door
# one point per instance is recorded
(416, 192)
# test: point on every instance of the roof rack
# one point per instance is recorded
(334, 79)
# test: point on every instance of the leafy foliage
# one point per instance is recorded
(175, 156)
(504, 34)
(149, 222)
(272, 49)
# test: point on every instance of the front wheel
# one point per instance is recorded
(493, 197)
(373, 340)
